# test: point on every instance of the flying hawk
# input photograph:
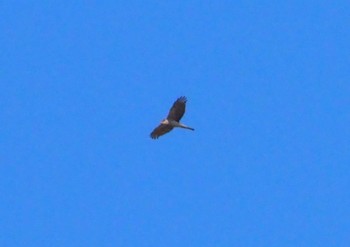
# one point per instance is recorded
(172, 120)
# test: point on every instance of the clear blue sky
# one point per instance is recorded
(83, 83)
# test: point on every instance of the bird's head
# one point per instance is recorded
(165, 121)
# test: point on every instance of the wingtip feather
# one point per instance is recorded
(182, 99)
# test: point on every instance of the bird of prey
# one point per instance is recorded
(172, 120)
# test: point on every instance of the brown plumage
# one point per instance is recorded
(175, 114)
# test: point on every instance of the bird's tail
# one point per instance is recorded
(186, 127)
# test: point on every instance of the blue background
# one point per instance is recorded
(83, 83)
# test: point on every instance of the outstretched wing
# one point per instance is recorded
(161, 130)
(178, 109)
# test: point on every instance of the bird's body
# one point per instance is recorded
(174, 123)
(173, 119)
